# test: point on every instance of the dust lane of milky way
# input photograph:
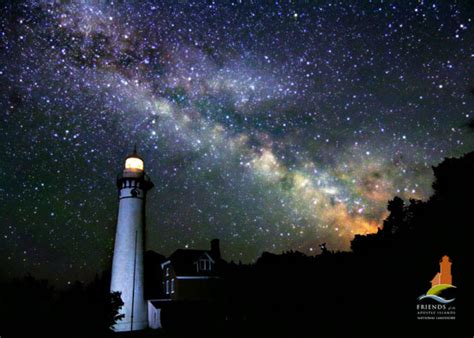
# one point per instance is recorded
(272, 126)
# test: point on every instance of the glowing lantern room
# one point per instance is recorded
(134, 162)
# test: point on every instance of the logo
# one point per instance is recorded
(441, 282)
(434, 304)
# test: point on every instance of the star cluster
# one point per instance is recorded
(270, 125)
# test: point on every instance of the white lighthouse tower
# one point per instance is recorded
(127, 265)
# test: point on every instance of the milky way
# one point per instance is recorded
(272, 126)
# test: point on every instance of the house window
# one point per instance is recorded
(167, 271)
(167, 287)
(172, 285)
(204, 265)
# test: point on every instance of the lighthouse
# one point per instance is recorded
(127, 264)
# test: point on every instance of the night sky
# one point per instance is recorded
(270, 125)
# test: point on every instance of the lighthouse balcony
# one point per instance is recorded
(135, 180)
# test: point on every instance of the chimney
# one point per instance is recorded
(215, 249)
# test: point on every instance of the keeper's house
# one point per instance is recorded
(189, 275)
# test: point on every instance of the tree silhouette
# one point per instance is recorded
(78, 309)
(396, 218)
(114, 304)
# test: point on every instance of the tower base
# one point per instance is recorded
(127, 326)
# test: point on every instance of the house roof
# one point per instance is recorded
(183, 261)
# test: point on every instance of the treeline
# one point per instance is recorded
(30, 305)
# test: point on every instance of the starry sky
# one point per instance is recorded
(270, 125)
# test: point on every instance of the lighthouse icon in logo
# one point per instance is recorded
(127, 264)
(441, 282)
